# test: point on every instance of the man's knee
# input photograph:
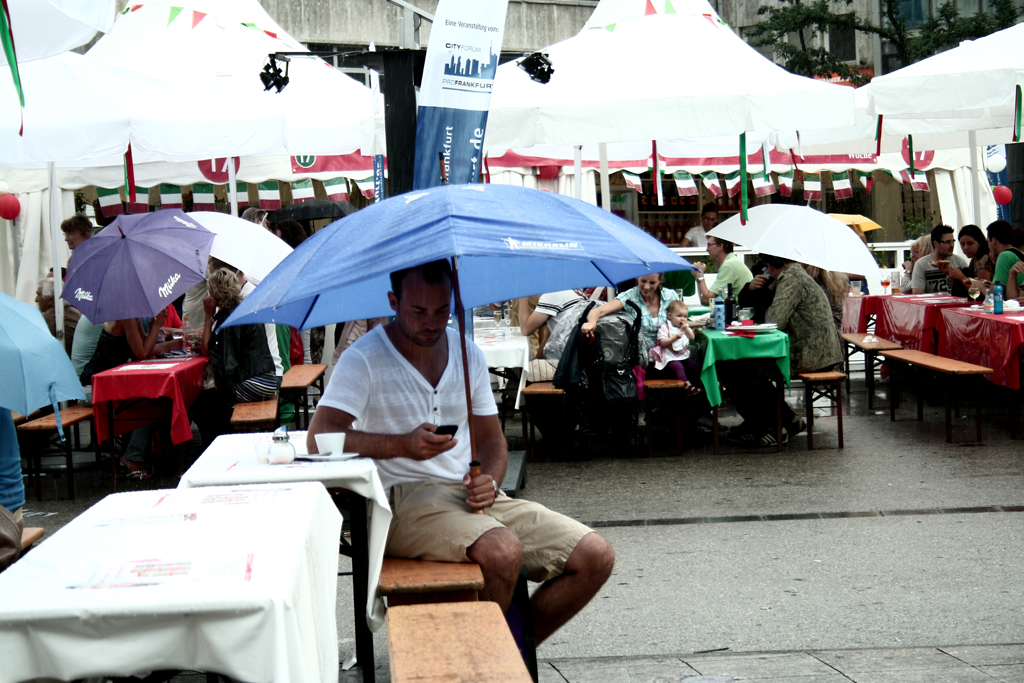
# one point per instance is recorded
(593, 556)
(498, 550)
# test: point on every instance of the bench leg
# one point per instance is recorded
(893, 391)
(920, 402)
(647, 428)
(839, 411)
(849, 350)
(1014, 412)
(809, 406)
(979, 395)
(714, 429)
(778, 414)
(949, 413)
(869, 378)
(69, 465)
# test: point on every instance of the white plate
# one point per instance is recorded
(330, 457)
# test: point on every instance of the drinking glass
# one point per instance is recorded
(974, 291)
(504, 325)
(885, 280)
(746, 313)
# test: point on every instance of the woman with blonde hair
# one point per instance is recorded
(836, 287)
(920, 248)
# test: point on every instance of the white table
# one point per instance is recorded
(513, 352)
(240, 581)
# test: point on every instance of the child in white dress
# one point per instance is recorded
(671, 352)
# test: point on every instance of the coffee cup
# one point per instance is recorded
(330, 442)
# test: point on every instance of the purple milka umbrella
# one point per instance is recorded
(137, 265)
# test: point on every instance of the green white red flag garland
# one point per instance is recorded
(841, 185)
(743, 178)
(7, 41)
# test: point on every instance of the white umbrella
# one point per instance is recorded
(582, 105)
(44, 28)
(801, 234)
(251, 248)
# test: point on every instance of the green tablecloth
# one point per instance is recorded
(699, 310)
(724, 347)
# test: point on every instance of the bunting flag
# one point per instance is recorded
(141, 203)
(866, 179)
(786, 184)
(897, 177)
(711, 182)
(337, 189)
(242, 190)
(174, 12)
(686, 186)
(732, 183)
(197, 16)
(202, 197)
(763, 185)
(841, 185)
(918, 180)
(366, 187)
(302, 190)
(110, 202)
(170, 197)
(249, 24)
(270, 195)
(812, 186)
(7, 42)
(649, 9)
(633, 180)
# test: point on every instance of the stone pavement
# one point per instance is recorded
(897, 558)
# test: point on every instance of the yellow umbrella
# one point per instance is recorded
(860, 224)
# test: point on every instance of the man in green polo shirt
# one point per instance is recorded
(731, 271)
(1000, 235)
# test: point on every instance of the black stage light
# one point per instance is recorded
(271, 76)
(538, 66)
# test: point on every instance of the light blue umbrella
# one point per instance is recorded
(34, 367)
(509, 242)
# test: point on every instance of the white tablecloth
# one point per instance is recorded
(238, 580)
(513, 352)
(231, 459)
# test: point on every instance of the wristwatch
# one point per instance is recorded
(495, 485)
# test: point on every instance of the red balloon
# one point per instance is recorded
(10, 207)
(1003, 195)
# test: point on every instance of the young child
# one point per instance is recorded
(672, 350)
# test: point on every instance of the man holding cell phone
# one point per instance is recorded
(399, 393)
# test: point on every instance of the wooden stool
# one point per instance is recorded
(297, 381)
(456, 642)
(69, 417)
(541, 389)
(655, 386)
(854, 342)
(823, 385)
(258, 416)
(414, 582)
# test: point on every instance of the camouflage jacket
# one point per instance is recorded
(802, 310)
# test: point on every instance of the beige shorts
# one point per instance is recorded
(431, 521)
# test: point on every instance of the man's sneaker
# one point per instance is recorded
(768, 440)
(796, 426)
(706, 426)
(741, 436)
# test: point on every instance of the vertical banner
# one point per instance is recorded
(379, 192)
(995, 157)
(462, 57)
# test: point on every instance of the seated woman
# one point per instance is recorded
(975, 247)
(836, 287)
(243, 369)
(649, 294)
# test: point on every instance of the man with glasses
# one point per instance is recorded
(731, 271)
(928, 278)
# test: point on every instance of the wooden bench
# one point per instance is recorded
(655, 387)
(29, 535)
(69, 417)
(258, 416)
(823, 385)
(540, 389)
(457, 642)
(414, 582)
(943, 366)
(296, 383)
(854, 342)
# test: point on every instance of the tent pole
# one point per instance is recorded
(232, 187)
(577, 169)
(17, 249)
(55, 240)
(972, 140)
(606, 193)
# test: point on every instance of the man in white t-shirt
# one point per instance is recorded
(560, 311)
(697, 235)
(928, 278)
(390, 392)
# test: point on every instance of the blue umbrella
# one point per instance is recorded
(34, 367)
(510, 242)
(137, 265)
(504, 241)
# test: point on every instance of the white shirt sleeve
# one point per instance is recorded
(349, 388)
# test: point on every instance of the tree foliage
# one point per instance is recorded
(809, 20)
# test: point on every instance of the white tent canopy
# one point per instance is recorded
(44, 28)
(581, 104)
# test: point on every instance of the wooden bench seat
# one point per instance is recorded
(457, 642)
(297, 381)
(69, 417)
(653, 387)
(823, 385)
(29, 535)
(258, 416)
(413, 582)
(950, 367)
(854, 342)
(538, 389)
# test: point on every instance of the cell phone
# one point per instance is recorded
(447, 429)
(764, 271)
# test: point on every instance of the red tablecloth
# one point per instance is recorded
(176, 379)
(856, 310)
(990, 340)
(913, 320)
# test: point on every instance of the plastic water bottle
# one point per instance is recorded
(186, 331)
(997, 298)
(990, 303)
(719, 313)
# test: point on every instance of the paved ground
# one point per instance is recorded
(896, 559)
